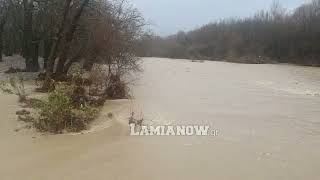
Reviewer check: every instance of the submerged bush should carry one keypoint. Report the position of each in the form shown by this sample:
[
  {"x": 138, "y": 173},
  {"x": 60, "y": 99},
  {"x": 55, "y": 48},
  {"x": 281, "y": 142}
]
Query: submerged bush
[
  {"x": 58, "y": 113},
  {"x": 70, "y": 107},
  {"x": 116, "y": 88}
]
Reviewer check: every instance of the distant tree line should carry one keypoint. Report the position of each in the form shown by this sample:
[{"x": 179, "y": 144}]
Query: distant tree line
[
  {"x": 68, "y": 31},
  {"x": 272, "y": 35}
]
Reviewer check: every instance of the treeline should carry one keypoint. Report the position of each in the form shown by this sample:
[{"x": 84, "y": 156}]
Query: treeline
[
  {"x": 272, "y": 35},
  {"x": 68, "y": 31}
]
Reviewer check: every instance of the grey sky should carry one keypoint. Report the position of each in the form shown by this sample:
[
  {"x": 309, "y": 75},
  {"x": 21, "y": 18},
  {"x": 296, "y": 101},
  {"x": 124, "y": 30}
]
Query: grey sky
[{"x": 169, "y": 16}]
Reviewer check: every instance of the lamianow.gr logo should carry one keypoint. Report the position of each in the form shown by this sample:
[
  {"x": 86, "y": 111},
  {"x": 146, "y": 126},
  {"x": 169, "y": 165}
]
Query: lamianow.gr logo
[{"x": 172, "y": 130}]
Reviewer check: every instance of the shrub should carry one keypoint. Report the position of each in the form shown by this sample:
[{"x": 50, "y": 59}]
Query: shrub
[
  {"x": 82, "y": 117},
  {"x": 55, "y": 115},
  {"x": 116, "y": 88},
  {"x": 58, "y": 114}
]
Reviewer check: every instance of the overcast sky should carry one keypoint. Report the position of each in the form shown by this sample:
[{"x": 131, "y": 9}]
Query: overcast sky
[{"x": 169, "y": 16}]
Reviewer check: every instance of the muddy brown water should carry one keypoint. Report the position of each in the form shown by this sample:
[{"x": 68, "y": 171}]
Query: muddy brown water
[{"x": 268, "y": 119}]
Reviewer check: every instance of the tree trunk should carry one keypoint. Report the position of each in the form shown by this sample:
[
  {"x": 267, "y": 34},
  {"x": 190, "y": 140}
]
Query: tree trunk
[
  {"x": 2, "y": 23},
  {"x": 88, "y": 65},
  {"x": 67, "y": 67},
  {"x": 35, "y": 57},
  {"x": 60, "y": 65},
  {"x": 46, "y": 54},
  {"x": 56, "y": 42},
  {"x": 54, "y": 47},
  {"x": 69, "y": 37},
  {"x": 69, "y": 63},
  {"x": 28, "y": 7},
  {"x": 1, "y": 45}
]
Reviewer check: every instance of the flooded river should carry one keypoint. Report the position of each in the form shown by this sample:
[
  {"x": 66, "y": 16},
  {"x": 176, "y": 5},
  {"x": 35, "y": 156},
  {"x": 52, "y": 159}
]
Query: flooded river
[{"x": 267, "y": 117}]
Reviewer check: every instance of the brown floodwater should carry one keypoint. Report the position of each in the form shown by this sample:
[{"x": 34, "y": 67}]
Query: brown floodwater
[{"x": 267, "y": 117}]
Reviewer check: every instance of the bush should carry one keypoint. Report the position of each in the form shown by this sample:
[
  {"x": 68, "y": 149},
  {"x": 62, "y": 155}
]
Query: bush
[
  {"x": 82, "y": 117},
  {"x": 58, "y": 114},
  {"x": 116, "y": 88}
]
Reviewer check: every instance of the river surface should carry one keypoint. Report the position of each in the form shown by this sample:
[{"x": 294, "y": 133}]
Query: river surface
[{"x": 267, "y": 117}]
